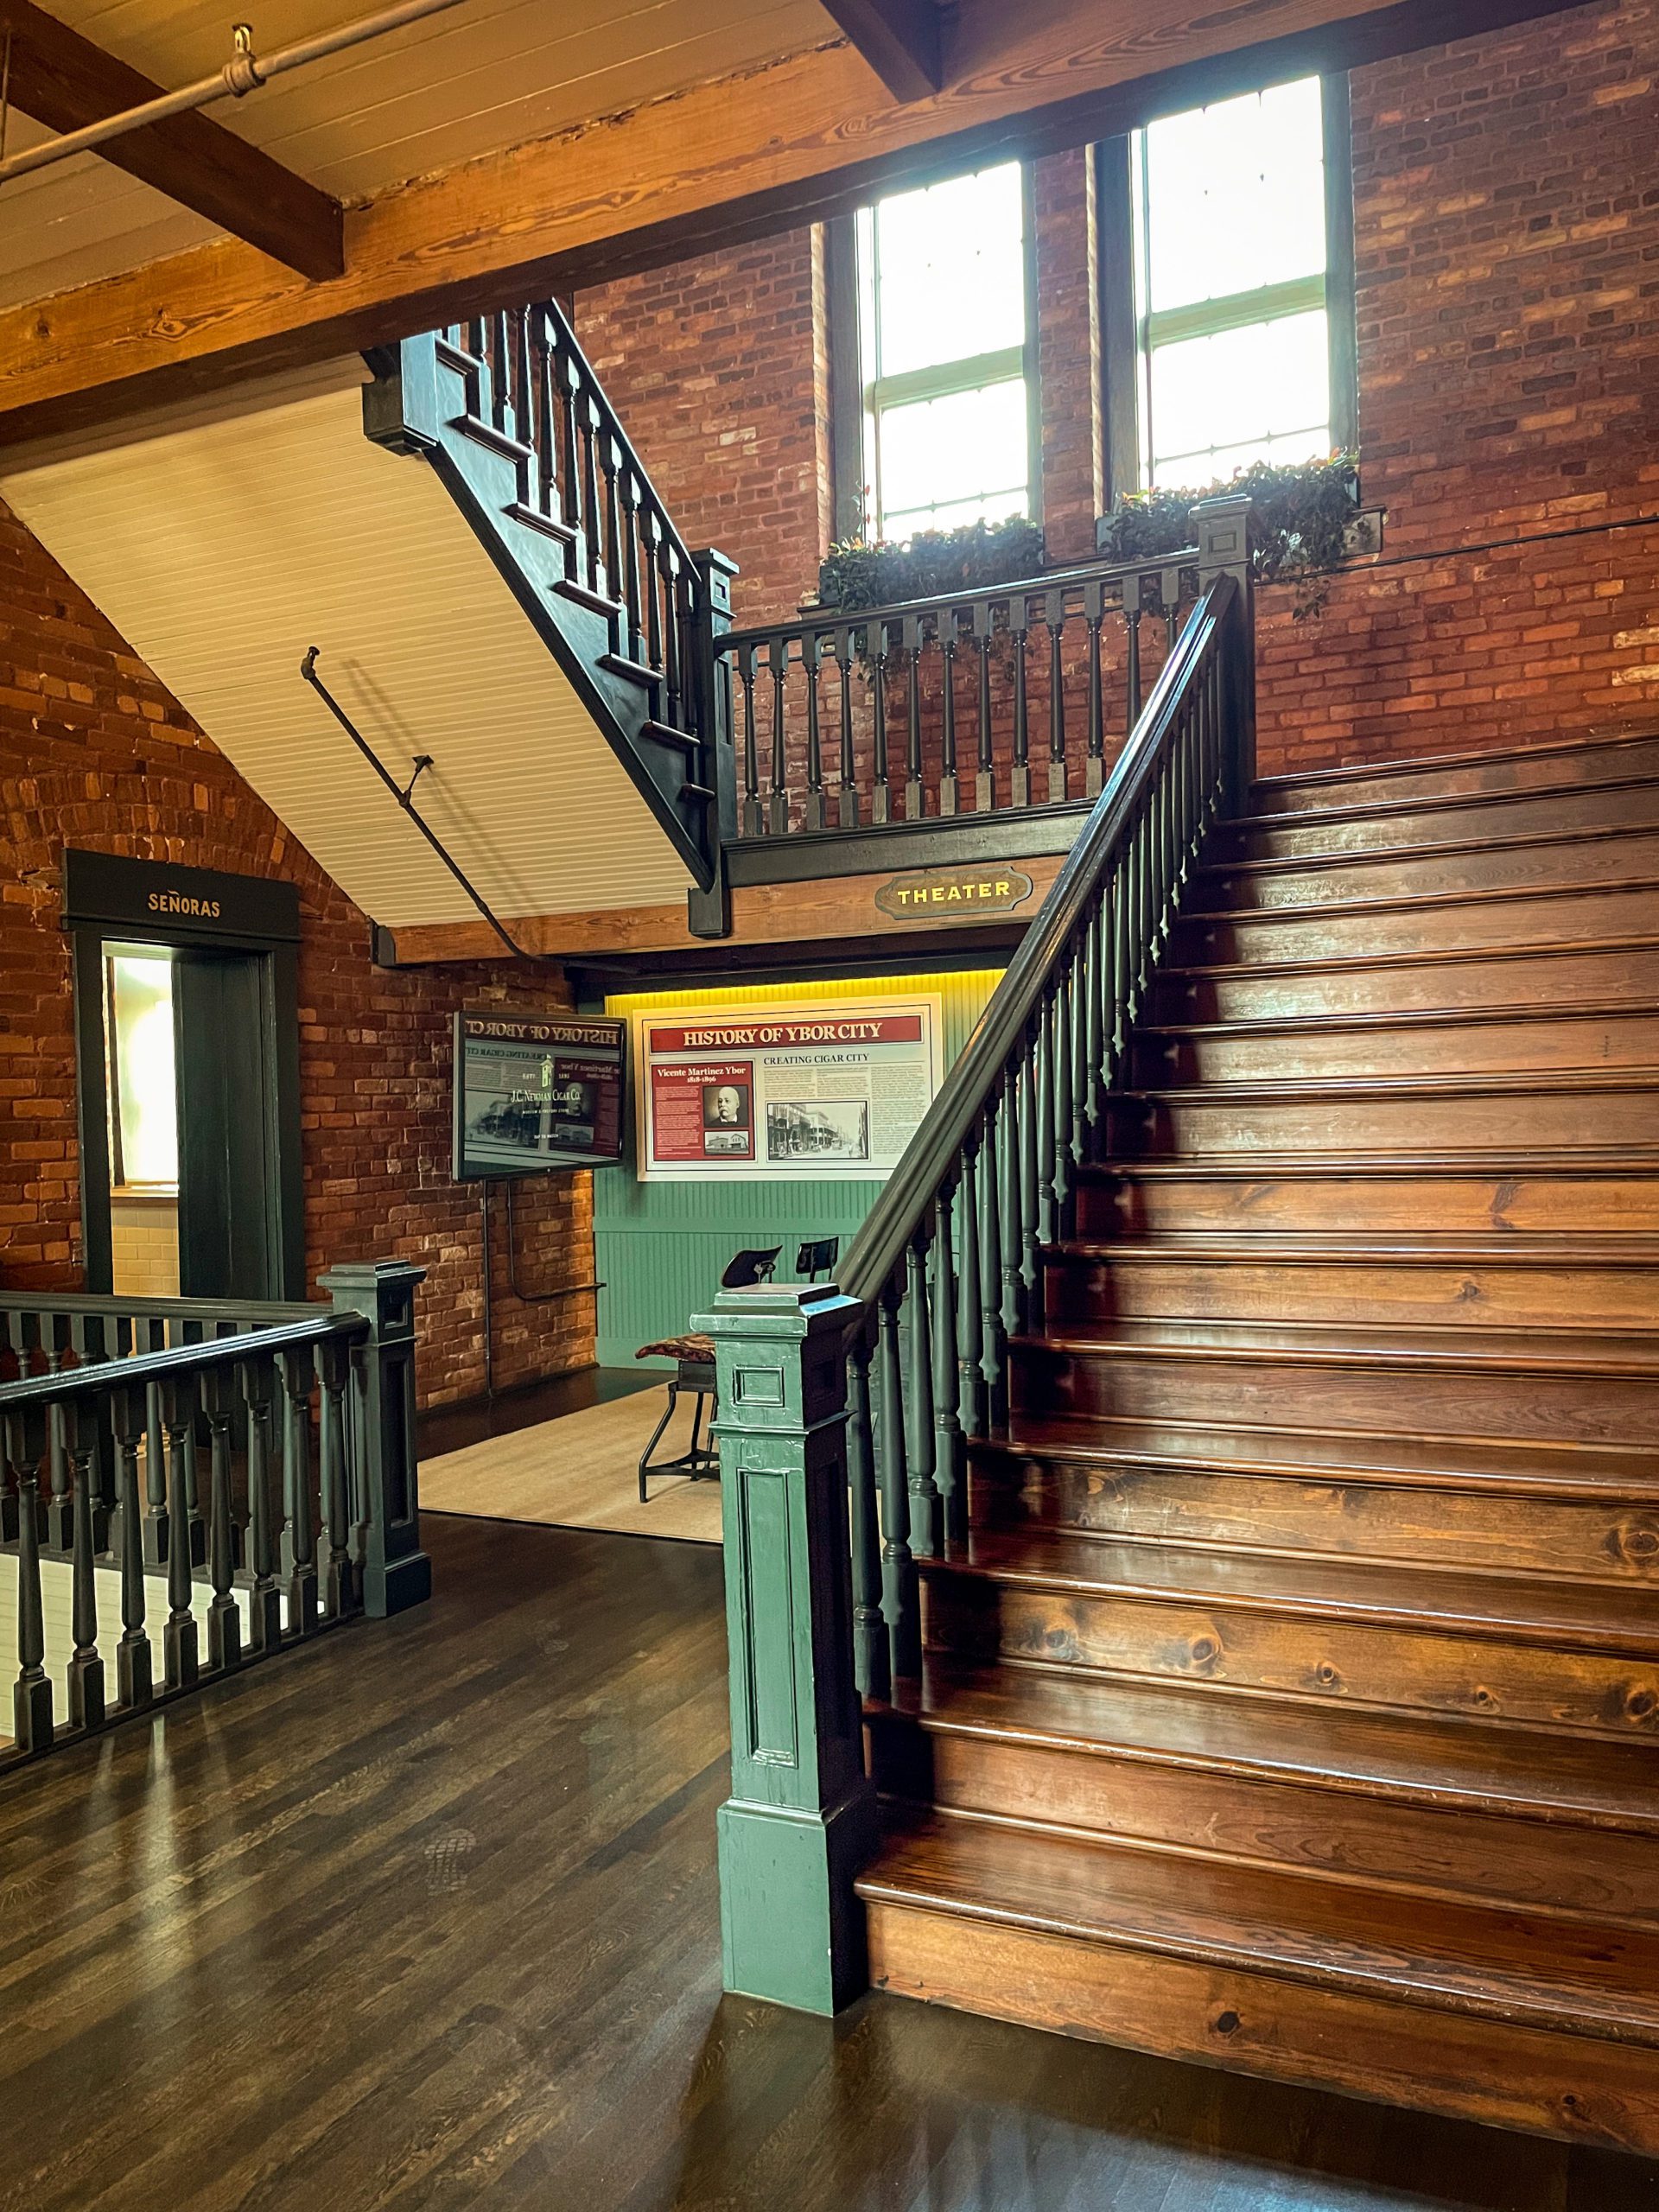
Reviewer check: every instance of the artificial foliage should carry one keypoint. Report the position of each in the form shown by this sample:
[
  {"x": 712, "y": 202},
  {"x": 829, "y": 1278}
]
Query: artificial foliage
[
  {"x": 859, "y": 573},
  {"x": 1299, "y": 515}
]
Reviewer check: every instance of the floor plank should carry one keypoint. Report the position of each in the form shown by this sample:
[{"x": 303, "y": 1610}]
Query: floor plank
[{"x": 425, "y": 1918}]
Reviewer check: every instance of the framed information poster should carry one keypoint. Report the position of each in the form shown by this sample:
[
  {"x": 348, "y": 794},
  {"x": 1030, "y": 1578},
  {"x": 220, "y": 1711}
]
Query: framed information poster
[
  {"x": 536, "y": 1091},
  {"x": 791, "y": 1092}
]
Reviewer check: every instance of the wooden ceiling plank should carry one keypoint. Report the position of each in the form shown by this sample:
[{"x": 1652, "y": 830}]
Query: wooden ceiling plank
[
  {"x": 742, "y": 158},
  {"x": 65, "y": 81},
  {"x": 900, "y": 38}
]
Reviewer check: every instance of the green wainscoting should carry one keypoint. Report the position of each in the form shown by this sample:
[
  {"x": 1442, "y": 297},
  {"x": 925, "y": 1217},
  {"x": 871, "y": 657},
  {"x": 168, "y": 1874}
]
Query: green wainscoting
[{"x": 659, "y": 1246}]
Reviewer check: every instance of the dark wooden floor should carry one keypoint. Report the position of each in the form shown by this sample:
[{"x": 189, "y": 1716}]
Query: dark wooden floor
[{"x": 426, "y": 1916}]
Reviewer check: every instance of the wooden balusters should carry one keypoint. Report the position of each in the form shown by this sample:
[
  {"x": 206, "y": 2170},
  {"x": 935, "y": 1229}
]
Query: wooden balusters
[
  {"x": 652, "y": 537},
  {"x": 949, "y": 1460},
  {"x": 24, "y": 1437},
  {"x": 911, "y": 635},
  {"x": 899, "y": 1606},
  {"x": 973, "y": 1387},
  {"x": 587, "y": 424},
  {"x": 675, "y": 583},
  {"x": 752, "y": 825},
  {"x": 300, "y": 1540},
  {"x": 872, "y": 1665},
  {"x": 1133, "y": 593},
  {"x": 847, "y": 790},
  {"x": 129, "y": 1414},
  {"x": 1010, "y": 1208},
  {"x": 628, "y": 501},
  {"x": 78, "y": 1429},
  {"x": 1094, "y": 607},
  {"x": 777, "y": 805},
  {"x": 1037, "y": 1226},
  {"x": 567, "y": 380},
  {"x": 333, "y": 1370},
  {"x": 1054, "y": 620},
  {"x": 1020, "y": 635},
  {"x": 993, "y": 1343},
  {"x": 918, "y": 1432},
  {"x": 881, "y": 800},
  {"x": 1064, "y": 1007},
  {"x": 178, "y": 1644},
  {"x": 258, "y": 1380},
  {"x": 59, "y": 1519},
  {"x": 983, "y": 627},
  {"x": 810, "y": 661},
  {"x": 218, "y": 1402},
  {"x": 948, "y": 711}
]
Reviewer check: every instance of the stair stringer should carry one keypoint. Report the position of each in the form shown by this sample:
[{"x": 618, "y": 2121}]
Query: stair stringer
[{"x": 417, "y": 406}]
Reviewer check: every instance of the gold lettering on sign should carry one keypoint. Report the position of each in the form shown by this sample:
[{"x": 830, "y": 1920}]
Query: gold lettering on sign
[
  {"x": 180, "y": 902},
  {"x": 995, "y": 891}
]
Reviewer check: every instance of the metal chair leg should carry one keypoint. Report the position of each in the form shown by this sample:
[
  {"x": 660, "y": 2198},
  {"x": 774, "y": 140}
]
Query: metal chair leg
[{"x": 656, "y": 1435}]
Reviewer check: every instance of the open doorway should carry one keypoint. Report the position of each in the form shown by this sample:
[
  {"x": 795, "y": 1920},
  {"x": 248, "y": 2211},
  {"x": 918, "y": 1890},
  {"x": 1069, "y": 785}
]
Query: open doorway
[{"x": 188, "y": 1056}]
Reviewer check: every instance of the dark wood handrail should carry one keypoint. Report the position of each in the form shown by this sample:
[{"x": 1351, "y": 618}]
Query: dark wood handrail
[
  {"x": 854, "y": 618},
  {"x": 568, "y": 343},
  {"x": 139, "y": 1368},
  {"x": 104, "y": 1307},
  {"x": 902, "y": 1206}
]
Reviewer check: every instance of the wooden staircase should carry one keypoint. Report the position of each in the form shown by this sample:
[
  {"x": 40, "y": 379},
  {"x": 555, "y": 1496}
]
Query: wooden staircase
[{"x": 1293, "y": 1701}]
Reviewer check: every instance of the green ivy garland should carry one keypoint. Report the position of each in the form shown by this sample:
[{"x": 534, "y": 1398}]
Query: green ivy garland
[
  {"x": 858, "y": 573},
  {"x": 1299, "y": 515}
]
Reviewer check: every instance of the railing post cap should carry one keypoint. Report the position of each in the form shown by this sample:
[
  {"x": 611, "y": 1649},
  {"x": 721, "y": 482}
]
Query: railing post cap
[
  {"x": 711, "y": 557},
  {"x": 1223, "y": 528},
  {"x": 384, "y": 1289},
  {"x": 778, "y": 1309}
]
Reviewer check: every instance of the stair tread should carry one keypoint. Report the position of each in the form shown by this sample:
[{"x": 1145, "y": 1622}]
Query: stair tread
[
  {"x": 1457, "y": 1957},
  {"x": 1502, "y": 1247},
  {"x": 1377, "y": 810},
  {"x": 1518, "y": 1347},
  {"x": 1409, "y": 1595},
  {"x": 1497, "y": 1012},
  {"x": 1410, "y": 1460},
  {"x": 1538, "y": 1165},
  {"x": 1639, "y": 1075},
  {"x": 1614, "y": 750},
  {"x": 1350, "y": 963},
  {"x": 1453, "y": 1764},
  {"x": 1373, "y": 856},
  {"x": 1325, "y": 910}
]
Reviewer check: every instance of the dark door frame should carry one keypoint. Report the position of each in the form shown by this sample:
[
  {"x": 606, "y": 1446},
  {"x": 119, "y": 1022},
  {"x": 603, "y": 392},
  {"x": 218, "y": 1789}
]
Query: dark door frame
[{"x": 110, "y": 903}]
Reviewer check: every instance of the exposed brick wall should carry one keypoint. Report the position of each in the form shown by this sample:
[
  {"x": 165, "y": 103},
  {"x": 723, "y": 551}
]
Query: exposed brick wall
[
  {"x": 1506, "y": 209},
  {"x": 718, "y": 367},
  {"x": 95, "y": 754},
  {"x": 1507, "y": 248}
]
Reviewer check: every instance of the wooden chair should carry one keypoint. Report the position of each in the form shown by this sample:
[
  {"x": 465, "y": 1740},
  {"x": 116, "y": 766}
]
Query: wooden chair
[{"x": 693, "y": 1370}]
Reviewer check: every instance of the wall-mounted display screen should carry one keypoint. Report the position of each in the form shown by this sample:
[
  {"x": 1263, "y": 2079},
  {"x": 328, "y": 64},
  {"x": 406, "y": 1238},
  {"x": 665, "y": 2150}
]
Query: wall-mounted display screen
[
  {"x": 536, "y": 1091},
  {"x": 786, "y": 1092}
]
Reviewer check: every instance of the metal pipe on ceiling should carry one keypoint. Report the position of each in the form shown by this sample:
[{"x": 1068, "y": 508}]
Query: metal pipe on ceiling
[{"x": 243, "y": 72}]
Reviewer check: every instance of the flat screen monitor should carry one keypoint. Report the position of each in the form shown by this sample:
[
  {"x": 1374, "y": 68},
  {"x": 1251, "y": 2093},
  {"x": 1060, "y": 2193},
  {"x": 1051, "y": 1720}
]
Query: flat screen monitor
[{"x": 536, "y": 1091}]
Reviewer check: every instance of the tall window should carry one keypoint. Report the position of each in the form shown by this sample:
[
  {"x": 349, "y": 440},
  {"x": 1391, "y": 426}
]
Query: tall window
[
  {"x": 1232, "y": 257},
  {"x": 943, "y": 291}
]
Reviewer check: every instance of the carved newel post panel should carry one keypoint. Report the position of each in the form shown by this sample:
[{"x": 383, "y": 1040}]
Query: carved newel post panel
[
  {"x": 395, "y": 1572},
  {"x": 800, "y": 1821}
]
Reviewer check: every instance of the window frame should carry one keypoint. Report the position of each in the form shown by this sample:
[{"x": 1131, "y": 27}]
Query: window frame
[
  {"x": 857, "y": 401},
  {"x": 1123, "y": 350}
]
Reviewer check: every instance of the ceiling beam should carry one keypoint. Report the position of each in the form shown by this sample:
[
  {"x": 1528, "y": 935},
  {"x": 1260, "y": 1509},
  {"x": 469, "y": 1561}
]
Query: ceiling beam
[
  {"x": 900, "y": 38},
  {"x": 778, "y": 146},
  {"x": 63, "y": 80}
]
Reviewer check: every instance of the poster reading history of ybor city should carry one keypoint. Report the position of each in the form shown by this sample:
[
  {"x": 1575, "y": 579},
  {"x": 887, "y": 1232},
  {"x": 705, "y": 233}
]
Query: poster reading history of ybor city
[
  {"x": 536, "y": 1091},
  {"x": 791, "y": 1092}
]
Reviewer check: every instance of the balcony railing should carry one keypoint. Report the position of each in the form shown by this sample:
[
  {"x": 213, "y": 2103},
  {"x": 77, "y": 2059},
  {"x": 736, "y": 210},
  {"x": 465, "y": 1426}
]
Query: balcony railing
[
  {"x": 188, "y": 1486},
  {"x": 973, "y": 702}
]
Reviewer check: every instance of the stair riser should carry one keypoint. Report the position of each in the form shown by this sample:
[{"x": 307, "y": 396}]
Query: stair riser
[
  {"x": 1096, "y": 1293},
  {"x": 1606, "y": 1539},
  {"x": 1571, "y": 2086},
  {"x": 1585, "y": 766},
  {"x": 1565, "y": 979},
  {"x": 1394, "y": 1397},
  {"x": 1398, "y": 1666},
  {"x": 1480, "y": 820},
  {"x": 1316, "y": 1054},
  {"x": 1301, "y": 1828},
  {"x": 1196, "y": 1204},
  {"x": 1631, "y": 858},
  {"x": 1508, "y": 1122},
  {"x": 1569, "y": 918}
]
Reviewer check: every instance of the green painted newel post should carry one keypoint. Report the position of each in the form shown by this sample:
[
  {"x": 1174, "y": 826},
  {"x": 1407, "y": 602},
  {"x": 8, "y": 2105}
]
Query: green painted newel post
[{"x": 800, "y": 1821}]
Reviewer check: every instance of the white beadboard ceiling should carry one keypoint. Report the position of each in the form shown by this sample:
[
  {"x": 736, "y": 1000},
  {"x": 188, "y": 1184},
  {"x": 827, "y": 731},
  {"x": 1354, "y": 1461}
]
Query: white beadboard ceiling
[
  {"x": 484, "y": 75},
  {"x": 221, "y": 549}
]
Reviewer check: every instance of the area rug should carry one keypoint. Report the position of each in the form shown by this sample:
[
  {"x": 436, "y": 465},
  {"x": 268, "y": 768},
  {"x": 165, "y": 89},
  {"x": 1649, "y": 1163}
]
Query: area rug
[{"x": 580, "y": 1472}]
